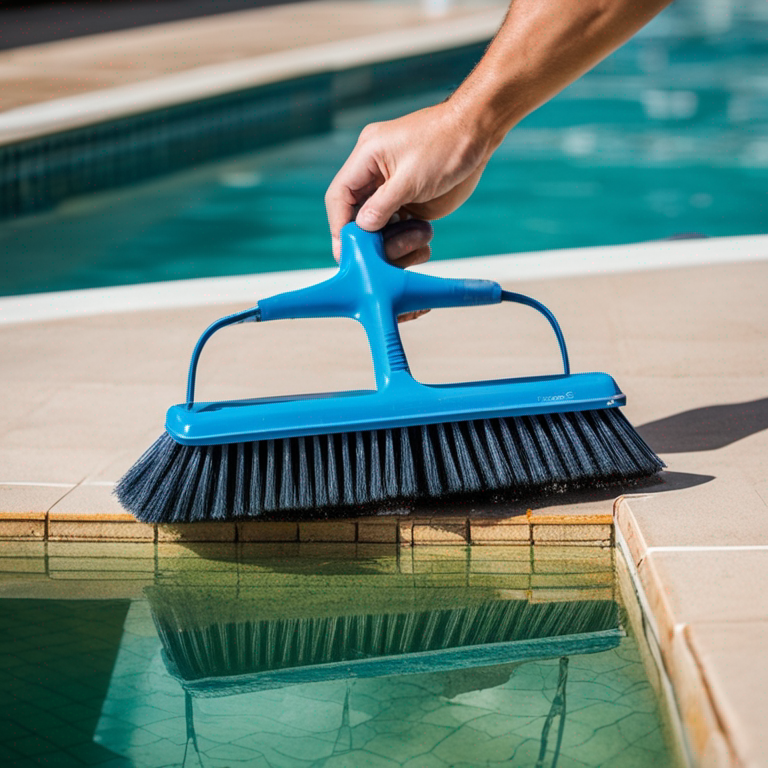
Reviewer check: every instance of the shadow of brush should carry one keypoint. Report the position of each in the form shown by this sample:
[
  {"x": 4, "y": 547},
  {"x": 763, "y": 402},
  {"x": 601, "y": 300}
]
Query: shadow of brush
[{"x": 706, "y": 429}]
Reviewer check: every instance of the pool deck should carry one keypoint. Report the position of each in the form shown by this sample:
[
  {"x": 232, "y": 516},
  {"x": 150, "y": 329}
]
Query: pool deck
[
  {"x": 85, "y": 389},
  {"x": 71, "y": 83}
]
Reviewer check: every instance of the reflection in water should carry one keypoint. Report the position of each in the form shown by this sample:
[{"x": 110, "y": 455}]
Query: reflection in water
[
  {"x": 320, "y": 656},
  {"x": 230, "y": 643},
  {"x": 228, "y": 636}
]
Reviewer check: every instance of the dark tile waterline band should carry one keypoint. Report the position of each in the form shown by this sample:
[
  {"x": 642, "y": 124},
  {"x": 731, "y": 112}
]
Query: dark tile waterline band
[{"x": 38, "y": 174}]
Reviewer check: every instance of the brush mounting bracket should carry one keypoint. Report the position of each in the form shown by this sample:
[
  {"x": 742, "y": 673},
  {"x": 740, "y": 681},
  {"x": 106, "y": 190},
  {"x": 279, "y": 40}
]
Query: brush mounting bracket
[{"x": 369, "y": 289}]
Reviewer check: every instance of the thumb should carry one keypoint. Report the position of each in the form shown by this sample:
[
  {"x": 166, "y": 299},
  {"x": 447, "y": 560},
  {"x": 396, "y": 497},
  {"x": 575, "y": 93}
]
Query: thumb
[{"x": 385, "y": 201}]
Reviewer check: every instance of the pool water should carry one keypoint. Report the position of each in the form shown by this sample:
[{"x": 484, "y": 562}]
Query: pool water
[
  {"x": 324, "y": 655},
  {"x": 668, "y": 136}
]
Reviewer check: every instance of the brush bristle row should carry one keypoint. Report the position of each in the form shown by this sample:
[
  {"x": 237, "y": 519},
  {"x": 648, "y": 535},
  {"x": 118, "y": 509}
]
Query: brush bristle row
[{"x": 174, "y": 483}]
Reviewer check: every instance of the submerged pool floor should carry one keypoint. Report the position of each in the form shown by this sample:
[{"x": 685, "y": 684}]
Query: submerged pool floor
[{"x": 325, "y": 657}]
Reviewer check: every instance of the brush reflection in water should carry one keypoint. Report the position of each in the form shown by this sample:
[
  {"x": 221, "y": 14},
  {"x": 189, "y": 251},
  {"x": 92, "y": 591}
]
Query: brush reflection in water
[
  {"x": 428, "y": 659},
  {"x": 225, "y": 647}
]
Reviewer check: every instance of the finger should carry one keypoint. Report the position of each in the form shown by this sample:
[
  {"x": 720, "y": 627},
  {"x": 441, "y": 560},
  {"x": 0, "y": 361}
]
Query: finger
[
  {"x": 404, "y": 318},
  {"x": 419, "y": 256},
  {"x": 340, "y": 207},
  {"x": 355, "y": 181},
  {"x": 404, "y": 237},
  {"x": 384, "y": 202}
]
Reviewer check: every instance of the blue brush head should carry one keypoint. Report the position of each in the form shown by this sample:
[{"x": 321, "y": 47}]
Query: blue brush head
[{"x": 372, "y": 291}]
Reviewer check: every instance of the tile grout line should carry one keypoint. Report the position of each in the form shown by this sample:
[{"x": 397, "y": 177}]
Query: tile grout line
[
  {"x": 45, "y": 485},
  {"x": 714, "y": 548}
]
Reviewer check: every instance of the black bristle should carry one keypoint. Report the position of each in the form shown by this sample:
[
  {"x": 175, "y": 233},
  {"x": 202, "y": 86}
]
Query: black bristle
[
  {"x": 452, "y": 479},
  {"x": 591, "y": 440},
  {"x": 361, "y": 484},
  {"x": 408, "y": 486},
  {"x": 587, "y": 466},
  {"x": 321, "y": 495},
  {"x": 241, "y": 482},
  {"x": 496, "y": 456},
  {"x": 333, "y": 478},
  {"x": 547, "y": 449},
  {"x": 287, "y": 480},
  {"x": 270, "y": 479},
  {"x": 306, "y": 499},
  {"x": 168, "y": 488},
  {"x": 390, "y": 466},
  {"x": 375, "y": 485},
  {"x": 635, "y": 445},
  {"x": 188, "y": 488},
  {"x": 529, "y": 452},
  {"x": 151, "y": 469},
  {"x": 429, "y": 465},
  {"x": 255, "y": 506},
  {"x": 469, "y": 476},
  {"x": 481, "y": 457},
  {"x": 517, "y": 456},
  {"x": 519, "y": 475},
  {"x": 562, "y": 447},
  {"x": 619, "y": 459},
  {"x": 201, "y": 504},
  {"x": 221, "y": 460},
  {"x": 348, "y": 489}
]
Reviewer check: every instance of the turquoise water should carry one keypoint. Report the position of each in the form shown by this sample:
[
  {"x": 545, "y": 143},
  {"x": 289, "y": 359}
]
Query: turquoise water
[
  {"x": 668, "y": 136},
  {"x": 124, "y": 656}
]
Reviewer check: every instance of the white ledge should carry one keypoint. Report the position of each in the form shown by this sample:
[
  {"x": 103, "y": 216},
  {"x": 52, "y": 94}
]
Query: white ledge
[
  {"x": 248, "y": 289},
  {"x": 217, "y": 79}
]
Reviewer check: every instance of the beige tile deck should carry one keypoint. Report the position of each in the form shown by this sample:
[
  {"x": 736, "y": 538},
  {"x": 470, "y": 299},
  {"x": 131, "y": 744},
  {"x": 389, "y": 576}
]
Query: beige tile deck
[
  {"x": 226, "y": 52},
  {"x": 31, "y": 498},
  {"x": 54, "y": 70},
  {"x": 702, "y": 558},
  {"x": 726, "y": 654}
]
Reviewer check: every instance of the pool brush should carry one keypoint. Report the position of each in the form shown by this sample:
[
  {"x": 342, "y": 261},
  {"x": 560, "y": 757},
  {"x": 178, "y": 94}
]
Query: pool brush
[{"x": 402, "y": 441}]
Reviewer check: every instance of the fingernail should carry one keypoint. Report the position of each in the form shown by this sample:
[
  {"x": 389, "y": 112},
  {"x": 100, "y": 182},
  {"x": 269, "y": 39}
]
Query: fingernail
[{"x": 368, "y": 216}]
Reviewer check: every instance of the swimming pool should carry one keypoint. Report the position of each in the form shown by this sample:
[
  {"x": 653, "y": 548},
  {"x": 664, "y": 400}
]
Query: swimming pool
[
  {"x": 668, "y": 136},
  {"x": 325, "y": 655}
]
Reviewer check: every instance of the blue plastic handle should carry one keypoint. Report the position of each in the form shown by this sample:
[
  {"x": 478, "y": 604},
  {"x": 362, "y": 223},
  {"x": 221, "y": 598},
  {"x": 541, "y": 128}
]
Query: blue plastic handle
[{"x": 369, "y": 289}]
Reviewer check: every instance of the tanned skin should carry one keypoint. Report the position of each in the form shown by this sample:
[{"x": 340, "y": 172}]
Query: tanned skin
[{"x": 424, "y": 165}]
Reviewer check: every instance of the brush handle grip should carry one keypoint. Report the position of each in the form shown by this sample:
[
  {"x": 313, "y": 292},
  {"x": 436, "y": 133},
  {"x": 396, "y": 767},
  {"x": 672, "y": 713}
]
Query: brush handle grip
[{"x": 369, "y": 289}]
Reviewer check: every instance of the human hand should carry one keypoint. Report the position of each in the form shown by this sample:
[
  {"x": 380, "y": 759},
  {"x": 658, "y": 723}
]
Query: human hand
[
  {"x": 402, "y": 173},
  {"x": 421, "y": 166}
]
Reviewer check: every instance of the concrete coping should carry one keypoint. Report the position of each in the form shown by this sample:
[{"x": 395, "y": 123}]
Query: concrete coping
[
  {"x": 203, "y": 82},
  {"x": 540, "y": 265}
]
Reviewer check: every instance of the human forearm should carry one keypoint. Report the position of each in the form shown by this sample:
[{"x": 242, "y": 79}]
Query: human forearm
[
  {"x": 426, "y": 164},
  {"x": 542, "y": 47}
]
